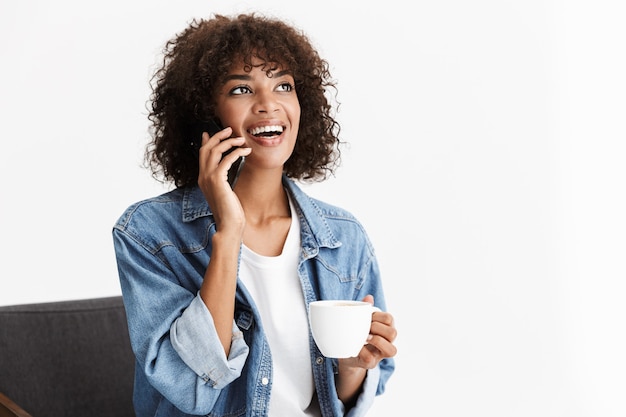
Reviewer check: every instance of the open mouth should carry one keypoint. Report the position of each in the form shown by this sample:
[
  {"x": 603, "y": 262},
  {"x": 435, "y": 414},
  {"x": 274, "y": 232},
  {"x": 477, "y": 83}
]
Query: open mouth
[{"x": 266, "y": 131}]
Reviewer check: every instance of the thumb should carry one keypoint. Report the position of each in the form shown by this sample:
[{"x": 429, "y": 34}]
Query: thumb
[{"x": 369, "y": 299}]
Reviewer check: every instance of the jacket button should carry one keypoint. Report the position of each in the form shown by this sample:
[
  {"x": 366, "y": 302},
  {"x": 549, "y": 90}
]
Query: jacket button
[
  {"x": 319, "y": 360},
  {"x": 265, "y": 381}
]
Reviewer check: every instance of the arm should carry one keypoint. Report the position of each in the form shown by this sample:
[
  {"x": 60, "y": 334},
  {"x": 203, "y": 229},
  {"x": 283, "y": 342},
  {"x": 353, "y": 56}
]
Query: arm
[
  {"x": 172, "y": 332},
  {"x": 220, "y": 279},
  {"x": 219, "y": 287}
]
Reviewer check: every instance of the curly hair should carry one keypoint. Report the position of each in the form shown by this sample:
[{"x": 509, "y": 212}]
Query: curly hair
[{"x": 195, "y": 65}]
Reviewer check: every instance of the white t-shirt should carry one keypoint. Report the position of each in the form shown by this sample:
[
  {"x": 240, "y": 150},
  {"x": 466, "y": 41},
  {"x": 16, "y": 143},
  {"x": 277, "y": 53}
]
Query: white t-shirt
[{"x": 275, "y": 287}]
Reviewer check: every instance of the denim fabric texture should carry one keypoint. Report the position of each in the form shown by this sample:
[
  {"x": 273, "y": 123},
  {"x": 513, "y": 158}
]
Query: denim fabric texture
[{"x": 163, "y": 246}]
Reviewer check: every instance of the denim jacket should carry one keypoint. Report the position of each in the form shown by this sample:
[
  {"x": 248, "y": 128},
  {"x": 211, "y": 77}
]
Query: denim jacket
[{"x": 163, "y": 246}]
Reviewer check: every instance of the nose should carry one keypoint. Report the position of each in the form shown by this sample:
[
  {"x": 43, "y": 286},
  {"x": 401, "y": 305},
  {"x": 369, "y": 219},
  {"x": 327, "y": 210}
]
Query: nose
[{"x": 265, "y": 102}]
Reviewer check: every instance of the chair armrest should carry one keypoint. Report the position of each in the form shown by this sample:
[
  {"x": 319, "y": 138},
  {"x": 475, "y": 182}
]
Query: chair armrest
[{"x": 9, "y": 409}]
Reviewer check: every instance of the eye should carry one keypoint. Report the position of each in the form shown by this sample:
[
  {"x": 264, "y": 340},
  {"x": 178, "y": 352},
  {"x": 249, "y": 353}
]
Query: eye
[
  {"x": 285, "y": 87},
  {"x": 240, "y": 89}
]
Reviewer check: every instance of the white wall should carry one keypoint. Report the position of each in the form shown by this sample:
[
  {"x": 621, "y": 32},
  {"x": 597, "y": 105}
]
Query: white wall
[{"x": 487, "y": 141}]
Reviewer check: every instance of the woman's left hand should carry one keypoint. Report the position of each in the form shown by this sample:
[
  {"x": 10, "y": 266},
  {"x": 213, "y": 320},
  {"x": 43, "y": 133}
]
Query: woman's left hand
[
  {"x": 352, "y": 371},
  {"x": 380, "y": 341}
]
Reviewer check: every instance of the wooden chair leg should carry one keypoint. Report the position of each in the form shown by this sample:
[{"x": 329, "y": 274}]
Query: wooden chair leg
[{"x": 9, "y": 409}]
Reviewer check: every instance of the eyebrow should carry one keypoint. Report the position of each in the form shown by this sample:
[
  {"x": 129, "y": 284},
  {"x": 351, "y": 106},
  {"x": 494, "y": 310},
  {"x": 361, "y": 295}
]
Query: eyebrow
[{"x": 246, "y": 77}]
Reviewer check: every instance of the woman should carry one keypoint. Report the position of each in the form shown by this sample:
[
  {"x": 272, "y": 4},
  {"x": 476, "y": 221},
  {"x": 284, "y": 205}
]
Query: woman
[{"x": 216, "y": 278}]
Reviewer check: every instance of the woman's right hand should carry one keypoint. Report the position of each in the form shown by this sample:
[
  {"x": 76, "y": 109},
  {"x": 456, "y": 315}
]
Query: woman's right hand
[{"x": 213, "y": 179}]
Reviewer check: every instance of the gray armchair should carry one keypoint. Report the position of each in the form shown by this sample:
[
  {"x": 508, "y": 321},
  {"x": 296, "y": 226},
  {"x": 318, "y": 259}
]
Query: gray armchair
[{"x": 66, "y": 359}]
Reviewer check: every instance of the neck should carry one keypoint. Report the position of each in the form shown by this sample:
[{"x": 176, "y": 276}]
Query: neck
[{"x": 263, "y": 199}]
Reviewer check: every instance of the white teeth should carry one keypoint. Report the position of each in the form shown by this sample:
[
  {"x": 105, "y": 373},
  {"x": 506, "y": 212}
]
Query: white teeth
[{"x": 265, "y": 129}]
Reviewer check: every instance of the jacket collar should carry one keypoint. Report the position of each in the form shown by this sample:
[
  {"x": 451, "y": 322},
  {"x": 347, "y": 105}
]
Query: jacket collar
[{"x": 315, "y": 230}]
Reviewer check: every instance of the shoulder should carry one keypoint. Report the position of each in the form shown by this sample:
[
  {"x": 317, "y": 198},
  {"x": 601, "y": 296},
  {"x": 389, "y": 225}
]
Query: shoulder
[
  {"x": 328, "y": 222},
  {"x": 180, "y": 218},
  {"x": 334, "y": 212},
  {"x": 168, "y": 203}
]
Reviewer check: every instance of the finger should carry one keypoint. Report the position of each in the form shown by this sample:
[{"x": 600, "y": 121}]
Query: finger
[
  {"x": 205, "y": 138},
  {"x": 231, "y": 144},
  {"x": 229, "y": 159},
  {"x": 369, "y": 299},
  {"x": 381, "y": 347},
  {"x": 223, "y": 134},
  {"x": 370, "y": 356},
  {"x": 215, "y": 150},
  {"x": 388, "y": 331},
  {"x": 211, "y": 141},
  {"x": 383, "y": 317}
]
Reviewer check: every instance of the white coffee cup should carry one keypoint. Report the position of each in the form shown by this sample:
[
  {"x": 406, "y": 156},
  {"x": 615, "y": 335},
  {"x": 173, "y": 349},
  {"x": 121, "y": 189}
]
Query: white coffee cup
[{"x": 340, "y": 327}]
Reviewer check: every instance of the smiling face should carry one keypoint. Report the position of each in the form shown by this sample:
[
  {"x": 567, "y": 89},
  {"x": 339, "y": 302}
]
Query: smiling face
[{"x": 262, "y": 107}]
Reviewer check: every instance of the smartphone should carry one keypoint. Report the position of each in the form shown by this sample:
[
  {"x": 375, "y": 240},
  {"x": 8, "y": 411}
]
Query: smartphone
[{"x": 212, "y": 127}]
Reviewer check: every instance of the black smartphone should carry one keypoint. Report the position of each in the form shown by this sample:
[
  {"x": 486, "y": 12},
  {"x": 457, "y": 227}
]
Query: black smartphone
[{"x": 212, "y": 127}]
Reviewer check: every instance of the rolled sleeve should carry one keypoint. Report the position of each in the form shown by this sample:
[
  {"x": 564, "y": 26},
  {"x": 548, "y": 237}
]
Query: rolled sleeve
[
  {"x": 194, "y": 337},
  {"x": 366, "y": 399}
]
